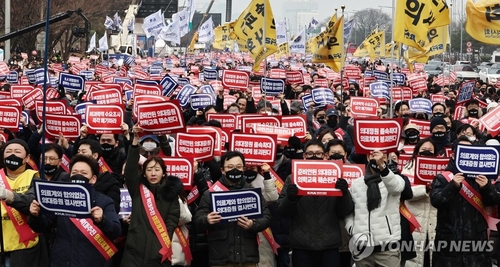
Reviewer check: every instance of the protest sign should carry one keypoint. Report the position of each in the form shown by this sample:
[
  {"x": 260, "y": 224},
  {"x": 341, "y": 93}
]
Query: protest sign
[
  {"x": 227, "y": 121},
  {"x": 426, "y": 168},
  {"x": 181, "y": 168},
  {"x": 477, "y": 160},
  {"x": 110, "y": 96},
  {"x": 350, "y": 172},
  {"x": 10, "y": 102},
  {"x": 297, "y": 123},
  {"x": 196, "y": 146},
  {"x": 380, "y": 75},
  {"x": 207, "y": 89},
  {"x": 67, "y": 125},
  {"x": 235, "y": 79},
  {"x": 147, "y": 89},
  {"x": 210, "y": 74},
  {"x": 277, "y": 74},
  {"x": 125, "y": 203},
  {"x": 399, "y": 78},
  {"x": 307, "y": 101},
  {"x": 321, "y": 83},
  {"x": 438, "y": 98},
  {"x": 424, "y": 127},
  {"x": 160, "y": 117},
  {"x": 248, "y": 120},
  {"x": 12, "y": 77},
  {"x": 30, "y": 98},
  {"x": 322, "y": 96},
  {"x": 403, "y": 159},
  {"x": 379, "y": 90},
  {"x": 220, "y": 138},
  {"x": 200, "y": 101},
  {"x": 231, "y": 205},
  {"x": 272, "y": 87},
  {"x": 294, "y": 77},
  {"x": 363, "y": 107},
  {"x": 352, "y": 72},
  {"x": 316, "y": 177},
  {"x": 41, "y": 76},
  {"x": 64, "y": 199},
  {"x": 9, "y": 117},
  {"x": 168, "y": 85},
  {"x": 123, "y": 81},
  {"x": 52, "y": 107},
  {"x": 185, "y": 93},
  {"x": 81, "y": 108},
  {"x": 19, "y": 90},
  {"x": 465, "y": 92},
  {"x": 72, "y": 82},
  {"x": 383, "y": 135},
  {"x": 420, "y": 105},
  {"x": 104, "y": 119},
  {"x": 256, "y": 148},
  {"x": 282, "y": 133},
  {"x": 491, "y": 121}
]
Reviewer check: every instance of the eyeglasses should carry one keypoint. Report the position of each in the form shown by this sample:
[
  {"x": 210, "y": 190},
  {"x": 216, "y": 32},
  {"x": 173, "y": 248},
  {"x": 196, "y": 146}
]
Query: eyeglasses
[
  {"x": 230, "y": 167},
  {"x": 310, "y": 154},
  {"x": 51, "y": 159}
]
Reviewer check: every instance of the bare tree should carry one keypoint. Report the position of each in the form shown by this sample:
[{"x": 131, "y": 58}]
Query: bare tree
[{"x": 367, "y": 20}]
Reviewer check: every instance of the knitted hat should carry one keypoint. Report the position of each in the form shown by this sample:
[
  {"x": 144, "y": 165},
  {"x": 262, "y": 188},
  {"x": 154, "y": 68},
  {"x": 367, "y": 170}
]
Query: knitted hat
[
  {"x": 437, "y": 121},
  {"x": 20, "y": 142}
]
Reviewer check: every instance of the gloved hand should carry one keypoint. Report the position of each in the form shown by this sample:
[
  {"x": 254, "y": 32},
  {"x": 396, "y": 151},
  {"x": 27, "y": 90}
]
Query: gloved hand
[
  {"x": 341, "y": 184},
  {"x": 292, "y": 192},
  {"x": 3, "y": 193}
]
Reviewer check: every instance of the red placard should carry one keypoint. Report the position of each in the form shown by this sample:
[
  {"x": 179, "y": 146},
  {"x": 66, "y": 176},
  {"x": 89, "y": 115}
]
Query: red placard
[
  {"x": 383, "y": 135},
  {"x": 403, "y": 159},
  {"x": 350, "y": 172},
  {"x": 10, "y": 102},
  {"x": 143, "y": 99},
  {"x": 408, "y": 149},
  {"x": 352, "y": 72},
  {"x": 227, "y": 121},
  {"x": 426, "y": 168},
  {"x": 18, "y": 91},
  {"x": 117, "y": 86},
  {"x": 111, "y": 96},
  {"x": 424, "y": 127},
  {"x": 235, "y": 79},
  {"x": 491, "y": 121},
  {"x": 459, "y": 113},
  {"x": 146, "y": 89},
  {"x": 277, "y": 74},
  {"x": 323, "y": 83},
  {"x": 316, "y": 177},
  {"x": 195, "y": 146},
  {"x": 294, "y": 77},
  {"x": 220, "y": 138},
  {"x": 228, "y": 100},
  {"x": 163, "y": 117},
  {"x": 247, "y": 123},
  {"x": 181, "y": 168},
  {"x": 104, "y": 119},
  {"x": 418, "y": 84},
  {"x": 363, "y": 107},
  {"x": 68, "y": 125},
  {"x": 30, "y": 98},
  {"x": 9, "y": 117},
  {"x": 438, "y": 98},
  {"x": 256, "y": 148},
  {"x": 52, "y": 107},
  {"x": 282, "y": 133},
  {"x": 298, "y": 123}
]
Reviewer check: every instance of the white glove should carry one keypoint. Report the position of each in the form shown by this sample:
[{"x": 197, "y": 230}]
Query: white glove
[{"x": 3, "y": 193}]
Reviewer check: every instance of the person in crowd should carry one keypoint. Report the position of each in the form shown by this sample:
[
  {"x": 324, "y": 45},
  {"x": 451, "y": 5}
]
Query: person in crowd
[
  {"x": 336, "y": 150},
  {"x": 472, "y": 110},
  {"x": 332, "y": 124},
  {"x": 232, "y": 243},
  {"x": 439, "y": 137},
  {"x": 71, "y": 246},
  {"x": 112, "y": 151},
  {"x": 376, "y": 218},
  {"x": 326, "y": 136},
  {"x": 179, "y": 256},
  {"x": 438, "y": 110},
  {"x": 401, "y": 110},
  {"x": 412, "y": 134},
  {"x": 473, "y": 134},
  {"x": 155, "y": 209},
  {"x": 150, "y": 145},
  {"x": 315, "y": 236},
  {"x": 457, "y": 219}
]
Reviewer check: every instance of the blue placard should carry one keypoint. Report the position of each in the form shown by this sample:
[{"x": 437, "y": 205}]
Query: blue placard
[
  {"x": 122, "y": 80},
  {"x": 147, "y": 82},
  {"x": 466, "y": 91},
  {"x": 201, "y": 101},
  {"x": 306, "y": 101},
  {"x": 185, "y": 94},
  {"x": 399, "y": 78},
  {"x": 379, "y": 89},
  {"x": 26, "y": 116},
  {"x": 210, "y": 74},
  {"x": 322, "y": 96},
  {"x": 380, "y": 75},
  {"x": 64, "y": 199},
  {"x": 40, "y": 76},
  {"x": 420, "y": 105},
  {"x": 87, "y": 74},
  {"x": 31, "y": 76},
  {"x": 168, "y": 85},
  {"x": 80, "y": 110},
  {"x": 125, "y": 203},
  {"x": 128, "y": 94},
  {"x": 72, "y": 82},
  {"x": 237, "y": 203},
  {"x": 207, "y": 89},
  {"x": 155, "y": 70},
  {"x": 475, "y": 160},
  {"x": 272, "y": 87},
  {"x": 13, "y": 77},
  {"x": 183, "y": 81},
  {"x": 54, "y": 82},
  {"x": 368, "y": 73}
]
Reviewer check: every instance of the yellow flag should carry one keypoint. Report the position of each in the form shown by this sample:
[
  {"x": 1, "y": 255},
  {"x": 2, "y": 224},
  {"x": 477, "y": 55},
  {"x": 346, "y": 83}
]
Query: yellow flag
[
  {"x": 283, "y": 50},
  {"x": 375, "y": 45},
  {"x": 222, "y": 40},
  {"x": 408, "y": 62},
  {"x": 414, "y": 18},
  {"x": 438, "y": 39},
  {"x": 311, "y": 44},
  {"x": 329, "y": 46},
  {"x": 249, "y": 27},
  {"x": 397, "y": 50},
  {"x": 483, "y": 21},
  {"x": 362, "y": 50}
]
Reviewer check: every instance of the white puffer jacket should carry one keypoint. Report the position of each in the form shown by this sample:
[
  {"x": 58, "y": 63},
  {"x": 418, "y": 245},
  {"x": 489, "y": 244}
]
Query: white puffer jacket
[
  {"x": 178, "y": 256},
  {"x": 383, "y": 222}
]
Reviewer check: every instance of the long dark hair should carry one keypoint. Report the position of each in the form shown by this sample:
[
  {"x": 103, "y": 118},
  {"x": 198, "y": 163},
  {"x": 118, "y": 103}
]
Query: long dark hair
[
  {"x": 417, "y": 148},
  {"x": 158, "y": 161}
]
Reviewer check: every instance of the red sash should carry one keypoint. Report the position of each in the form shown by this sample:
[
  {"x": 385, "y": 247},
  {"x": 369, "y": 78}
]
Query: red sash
[
  {"x": 474, "y": 198},
  {"x": 65, "y": 163},
  {"x": 32, "y": 164},
  {"x": 339, "y": 133},
  {"x": 270, "y": 238},
  {"x": 157, "y": 223},
  {"x": 277, "y": 180},
  {"x": 100, "y": 241},
  {"x": 409, "y": 216},
  {"x": 19, "y": 220},
  {"x": 103, "y": 166},
  {"x": 184, "y": 244}
]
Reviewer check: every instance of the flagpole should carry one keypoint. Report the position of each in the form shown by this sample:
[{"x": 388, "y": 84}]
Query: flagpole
[
  {"x": 264, "y": 33},
  {"x": 342, "y": 59},
  {"x": 391, "y": 73}
]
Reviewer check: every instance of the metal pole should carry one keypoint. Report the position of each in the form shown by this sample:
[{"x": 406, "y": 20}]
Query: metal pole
[
  {"x": 264, "y": 34},
  {"x": 450, "y": 32},
  {"x": 391, "y": 61},
  {"x": 461, "y": 30},
  {"x": 7, "y": 29},
  {"x": 342, "y": 59}
]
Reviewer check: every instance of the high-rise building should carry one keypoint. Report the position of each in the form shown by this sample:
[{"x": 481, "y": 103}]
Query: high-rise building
[{"x": 299, "y": 13}]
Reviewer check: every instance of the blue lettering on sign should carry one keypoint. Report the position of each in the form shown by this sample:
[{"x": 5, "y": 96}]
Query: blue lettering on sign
[
  {"x": 272, "y": 87},
  {"x": 399, "y": 78},
  {"x": 125, "y": 203},
  {"x": 466, "y": 91},
  {"x": 87, "y": 74},
  {"x": 236, "y": 203},
  {"x": 201, "y": 101},
  {"x": 379, "y": 89},
  {"x": 72, "y": 82},
  {"x": 210, "y": 75},
  {"x": 380, "y": 75},
  {"x": 31, "y": 76},
  {"x": 307, "y": 100},
  {"x": 475, "y": 160},
  {"x": 168, "y": 85},
  {"x": 40, "y": 76},
  {"x": 13, "y": 77},
  {"x": 185, "y": 94},
  {"x": 368, "y": 73},
  {"x": 420, "y": 105},
  {"x": 64, "y": 199},
  {"x": 322, "y": 96}
]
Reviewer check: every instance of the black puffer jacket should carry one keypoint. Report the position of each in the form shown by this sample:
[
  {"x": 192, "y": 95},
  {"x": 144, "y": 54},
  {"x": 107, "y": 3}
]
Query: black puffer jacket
[
  {"x": 458, "y": 220},
  {"x": 315, "y": 221},
  {"x": 227, "y": 242}
]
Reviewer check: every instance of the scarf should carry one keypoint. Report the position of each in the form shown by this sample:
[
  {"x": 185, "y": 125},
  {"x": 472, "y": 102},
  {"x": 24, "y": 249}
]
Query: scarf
[{"x": 373, "y": 192}]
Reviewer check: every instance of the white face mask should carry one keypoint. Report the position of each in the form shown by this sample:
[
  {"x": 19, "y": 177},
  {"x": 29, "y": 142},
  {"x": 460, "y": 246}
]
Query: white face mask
[
  {"x": 471, "y": 138},
  {"x": 149, "y": 146}
]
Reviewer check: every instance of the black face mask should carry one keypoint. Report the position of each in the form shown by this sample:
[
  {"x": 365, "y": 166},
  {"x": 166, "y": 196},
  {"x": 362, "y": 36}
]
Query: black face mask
[
  {"x": 420, "y": 116},
  {"x": 234, "y": 175},
  {"x": 107, "y": 149},
  {"x": 314, "y": 157},
  {"x": 332, "y": 122},
  {"x": 412, "y": 136},
  {"x": 49, "y": 169},
  {"x": 279, "y": 153},
  {"x": 439, "y": 135},
  {"x": 337, "y": 156},
  {"x": 473, "y": 112},
  {"x": 374, "y": 165},
  {"x": 438, "y": 114},
  {"x": 321, "y": 120},
  {"x": 13, "y": 162},
  {"x": 78, "y": 179},
  {"x": 406, "y": 115},
  {"x": 426, "y": 153},
  {"x": 250, "y": 175}
]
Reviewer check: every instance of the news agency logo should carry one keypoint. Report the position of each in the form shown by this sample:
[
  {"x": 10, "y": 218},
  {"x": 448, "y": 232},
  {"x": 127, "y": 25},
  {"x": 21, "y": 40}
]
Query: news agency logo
[{"x": 361, "y": 246}]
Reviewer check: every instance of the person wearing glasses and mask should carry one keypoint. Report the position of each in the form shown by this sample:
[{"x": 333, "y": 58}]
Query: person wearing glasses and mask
[
  {"x": 233, "y": 243},
  {"x": 315, "y": 235}
]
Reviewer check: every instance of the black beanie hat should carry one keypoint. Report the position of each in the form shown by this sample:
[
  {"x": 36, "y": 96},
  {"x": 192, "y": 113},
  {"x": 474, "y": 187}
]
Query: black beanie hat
[
  {"x": 437, "y": 121},
  {"x": 20, "y": 142}
]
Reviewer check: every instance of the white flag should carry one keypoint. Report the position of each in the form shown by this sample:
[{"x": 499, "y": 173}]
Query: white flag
[
  {"x": 190, "y": 9},
  {"x": 281, "y": 32},
  {"x": 109, "y": 24},
  {"x": 103, "y": 43},
  {"x": 182, "y": 17},
  {"x": 206, "y": 32},
  {"x": 171, "y": 33},
  {"x": 298, "y": 44},
  {"x": 153, "y": 24},
  {"x": 117, "y": 21},
  {"x": 92, "y": 43}
]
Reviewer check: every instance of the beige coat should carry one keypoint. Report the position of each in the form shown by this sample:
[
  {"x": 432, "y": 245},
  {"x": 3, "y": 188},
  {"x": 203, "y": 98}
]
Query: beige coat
[{"x": 178, "y": 257}]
